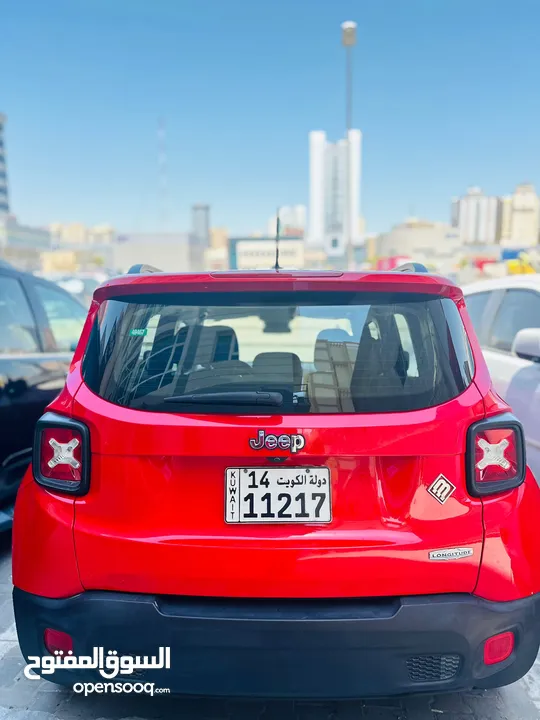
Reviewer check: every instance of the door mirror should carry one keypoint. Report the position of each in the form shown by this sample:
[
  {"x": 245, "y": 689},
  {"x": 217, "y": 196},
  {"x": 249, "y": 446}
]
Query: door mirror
[{"x": 526, "y": 344}]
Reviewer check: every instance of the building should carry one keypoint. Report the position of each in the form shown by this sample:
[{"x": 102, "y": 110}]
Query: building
[
  {"x": 525, "y": 217},
  {"x": 77, "y": 234},
  {"x": 68, "y": 233},
  {"x": 259, "y": 253},
  {"x": 219, "y": 238},
  {"x": 292, "y": 221},
  {"x": 101, "y": 234},
  {"x": 330, "y": 167},
  {"x": 200, "y": 224},
  {"x": 506, "y": 220},
  {"x": 22, "y": 245},
  {"x": 216, "y": 258},
  {"x": 370, "y": 248},
  {"x": 4, "y": 196},
  {"x": 175, "y": 252},
  {"x": 478, "y": 217},
  {"x": 419, "y": 240}
]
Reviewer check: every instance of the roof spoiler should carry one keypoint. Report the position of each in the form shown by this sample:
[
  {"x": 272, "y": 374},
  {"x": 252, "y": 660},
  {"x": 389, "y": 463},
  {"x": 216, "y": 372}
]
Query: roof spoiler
[
  {"x": 412, "y": 267},
  {"x": 142, "y": 269}
]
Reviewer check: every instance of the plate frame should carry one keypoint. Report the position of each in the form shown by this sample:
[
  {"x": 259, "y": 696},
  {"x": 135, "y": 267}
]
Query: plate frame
[{"x": 280, "y": 522}]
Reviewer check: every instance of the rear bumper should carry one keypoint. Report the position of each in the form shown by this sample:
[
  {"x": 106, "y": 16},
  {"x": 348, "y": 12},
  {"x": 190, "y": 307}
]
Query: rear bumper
[{"x": 291, "y": 648}]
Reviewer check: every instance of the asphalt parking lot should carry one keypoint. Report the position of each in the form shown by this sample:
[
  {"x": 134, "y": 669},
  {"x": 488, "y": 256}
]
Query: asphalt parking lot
[{"x": 23, "y": 699}]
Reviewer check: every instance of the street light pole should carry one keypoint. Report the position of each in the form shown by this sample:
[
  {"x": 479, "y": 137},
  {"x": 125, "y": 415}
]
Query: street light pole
[{"x": 348, "y": 38}]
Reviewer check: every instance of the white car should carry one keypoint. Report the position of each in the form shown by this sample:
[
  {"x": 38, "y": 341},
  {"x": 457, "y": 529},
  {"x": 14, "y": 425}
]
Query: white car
[{"x": 506, "y": 315}]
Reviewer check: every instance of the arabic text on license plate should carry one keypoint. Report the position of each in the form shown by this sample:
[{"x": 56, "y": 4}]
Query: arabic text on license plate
[{"x": 278, "y": 495}]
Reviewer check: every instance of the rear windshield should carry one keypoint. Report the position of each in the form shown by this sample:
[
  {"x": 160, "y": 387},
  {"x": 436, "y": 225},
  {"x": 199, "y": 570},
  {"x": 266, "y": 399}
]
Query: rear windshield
[{"x": 285, "y": 353}]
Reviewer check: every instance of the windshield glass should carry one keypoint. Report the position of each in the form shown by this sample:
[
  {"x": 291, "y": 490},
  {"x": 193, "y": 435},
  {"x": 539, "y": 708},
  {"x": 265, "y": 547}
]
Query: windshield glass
[{"x": 323, "y": 353}]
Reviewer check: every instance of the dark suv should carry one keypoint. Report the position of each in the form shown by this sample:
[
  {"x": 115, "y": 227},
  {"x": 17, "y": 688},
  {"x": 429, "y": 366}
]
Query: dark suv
[{"x": 39, "y": 327}]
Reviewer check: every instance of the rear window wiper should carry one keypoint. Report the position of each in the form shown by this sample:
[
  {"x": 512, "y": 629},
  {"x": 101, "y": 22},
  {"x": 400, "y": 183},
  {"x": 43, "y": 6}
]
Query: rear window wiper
[{"x": 228, "y": 397}]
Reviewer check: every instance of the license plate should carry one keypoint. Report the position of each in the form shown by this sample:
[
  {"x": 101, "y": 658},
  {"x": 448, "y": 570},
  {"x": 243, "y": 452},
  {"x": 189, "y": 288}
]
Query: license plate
[{"x": 278, "y": 495}]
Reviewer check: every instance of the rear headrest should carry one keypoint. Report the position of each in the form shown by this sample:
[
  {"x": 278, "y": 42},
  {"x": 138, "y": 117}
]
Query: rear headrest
[
  {"x": 281, "y": 368},
  {"x": 335, "y": 335},
  {"x": 381, "y": 363},
  {"x": 334, "y": 345},
  {"x": 205, "y": 345},
  {"x": 166, "y": 343},
  {"x": 215, "y": 344}
]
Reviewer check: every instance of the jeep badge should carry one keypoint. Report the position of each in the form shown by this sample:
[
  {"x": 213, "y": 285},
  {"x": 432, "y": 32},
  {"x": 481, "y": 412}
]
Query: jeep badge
[{"x": 294, "y": 443}]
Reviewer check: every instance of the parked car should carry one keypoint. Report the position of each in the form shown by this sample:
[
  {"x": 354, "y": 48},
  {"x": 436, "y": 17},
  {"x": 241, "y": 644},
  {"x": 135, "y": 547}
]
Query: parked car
[
  {"x": 39, "y": 327},
  {"x": 80, "y": 284},
  {"x": 291, "y": 484},
  {"x": 506, "y": 315}
]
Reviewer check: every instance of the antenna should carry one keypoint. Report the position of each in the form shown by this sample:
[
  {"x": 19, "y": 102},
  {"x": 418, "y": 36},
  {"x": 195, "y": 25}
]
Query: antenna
[{"x": 276, "y": 266}]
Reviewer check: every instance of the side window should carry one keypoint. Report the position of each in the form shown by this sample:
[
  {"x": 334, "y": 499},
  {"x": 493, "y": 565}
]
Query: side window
[
  {"x": 17, "y": 326},
  {"x": 65, "y": 316},
  {"x": 476, "y": 306},
  {"x": 519, "y": 309}
]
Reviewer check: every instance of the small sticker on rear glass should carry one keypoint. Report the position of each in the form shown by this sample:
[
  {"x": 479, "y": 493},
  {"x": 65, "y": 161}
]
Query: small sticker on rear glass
[{"x": 138, "y": 332}]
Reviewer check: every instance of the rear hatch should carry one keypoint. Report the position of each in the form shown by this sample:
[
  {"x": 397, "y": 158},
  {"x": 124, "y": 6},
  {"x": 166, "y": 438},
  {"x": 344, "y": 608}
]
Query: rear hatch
[{"x": 300, "y": 438}]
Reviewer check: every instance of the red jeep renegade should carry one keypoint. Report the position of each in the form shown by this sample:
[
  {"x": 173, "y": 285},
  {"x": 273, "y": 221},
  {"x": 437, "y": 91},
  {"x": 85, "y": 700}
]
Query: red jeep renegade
[{"x": 302, "y": 483}]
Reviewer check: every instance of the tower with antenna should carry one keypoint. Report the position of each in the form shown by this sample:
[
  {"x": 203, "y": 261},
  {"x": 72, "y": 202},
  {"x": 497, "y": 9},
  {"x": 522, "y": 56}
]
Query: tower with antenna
[{"x": 4, "y": 196}]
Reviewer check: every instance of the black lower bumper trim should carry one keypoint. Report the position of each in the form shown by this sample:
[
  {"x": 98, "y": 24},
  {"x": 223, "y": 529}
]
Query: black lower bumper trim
[{"x": 291, "y": 648}]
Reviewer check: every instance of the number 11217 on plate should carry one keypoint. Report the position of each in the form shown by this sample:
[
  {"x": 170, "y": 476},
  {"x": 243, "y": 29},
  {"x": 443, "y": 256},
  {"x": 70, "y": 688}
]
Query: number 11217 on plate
[{"x": 278, "y": 495}]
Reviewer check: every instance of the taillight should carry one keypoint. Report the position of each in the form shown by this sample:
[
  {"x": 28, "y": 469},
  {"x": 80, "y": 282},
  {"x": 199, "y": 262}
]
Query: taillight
[
  {"x": 61, "y": 454},
  {"x": 495, "y": 455},
  {"x": 61, "y": 457}
]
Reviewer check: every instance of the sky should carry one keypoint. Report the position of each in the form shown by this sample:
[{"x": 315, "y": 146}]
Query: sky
[{"x": 446, "y": 93}]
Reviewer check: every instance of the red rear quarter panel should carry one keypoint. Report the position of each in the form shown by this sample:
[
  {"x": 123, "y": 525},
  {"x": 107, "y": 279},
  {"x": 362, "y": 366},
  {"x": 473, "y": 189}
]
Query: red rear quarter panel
[
  {"x": 44, "y": 561},
  {"x": 510, "y": 562}
]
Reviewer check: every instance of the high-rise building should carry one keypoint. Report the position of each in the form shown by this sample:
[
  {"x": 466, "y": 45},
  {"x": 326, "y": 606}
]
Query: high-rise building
[
  {"x": 200, "y": 224},
  {"x": 334, "y": 167},
  {"x": 4, "y": 197},
  {"x": 478, "y": 217},
  {"x": 525, "y": 222}
]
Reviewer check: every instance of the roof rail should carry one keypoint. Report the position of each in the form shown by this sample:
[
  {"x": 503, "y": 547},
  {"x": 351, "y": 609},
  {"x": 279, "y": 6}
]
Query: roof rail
[
  {"x": 142, "y": 268},
  {"x": 412, "y": 267}
]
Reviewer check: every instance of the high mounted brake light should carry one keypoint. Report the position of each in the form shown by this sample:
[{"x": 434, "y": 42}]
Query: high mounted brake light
[
  {"x": 495, "y": 455},
  {"x": 61, "y": 456}
]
